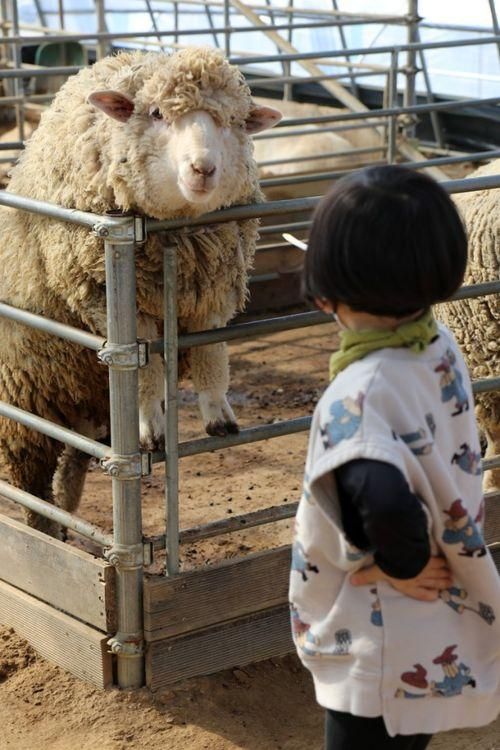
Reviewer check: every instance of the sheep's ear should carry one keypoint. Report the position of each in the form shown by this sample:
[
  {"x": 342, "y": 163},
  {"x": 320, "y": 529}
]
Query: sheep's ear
[
  {"x": 262, "y": 118},
  {"x": 112, "y": 103}
]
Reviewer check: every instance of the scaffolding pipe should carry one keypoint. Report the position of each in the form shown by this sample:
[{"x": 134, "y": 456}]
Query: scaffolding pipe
[
  {"x": 124, "y": 463},
  {"x": 47, "y": 510}
]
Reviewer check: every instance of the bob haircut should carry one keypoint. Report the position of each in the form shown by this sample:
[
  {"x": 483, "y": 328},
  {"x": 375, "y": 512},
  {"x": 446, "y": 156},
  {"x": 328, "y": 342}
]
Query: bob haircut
[{"x": 386, "y": 241}]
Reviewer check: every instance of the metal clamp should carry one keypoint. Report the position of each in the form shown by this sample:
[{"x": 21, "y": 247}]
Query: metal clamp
[
  {"x": 123, "y": 467},
  {"x": 125, "y": 356},
  {"x": 125, "y": 556},
  {"x": 126, "y": 645},
  {"x": 121, "y": 229}
]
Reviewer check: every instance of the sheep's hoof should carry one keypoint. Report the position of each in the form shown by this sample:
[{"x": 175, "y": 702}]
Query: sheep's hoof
[{"x": 218, "y": 428}]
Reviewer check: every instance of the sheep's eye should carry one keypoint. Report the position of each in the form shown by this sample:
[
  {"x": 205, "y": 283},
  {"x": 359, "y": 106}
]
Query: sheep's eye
[{"x": 156, "y": 114}]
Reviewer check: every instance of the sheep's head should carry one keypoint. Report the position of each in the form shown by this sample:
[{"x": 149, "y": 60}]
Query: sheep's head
[{"x": 182, "y": 142}]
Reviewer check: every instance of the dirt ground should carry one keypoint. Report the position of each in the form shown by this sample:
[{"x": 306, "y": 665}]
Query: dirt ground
[{"x": 265, "y": 706}]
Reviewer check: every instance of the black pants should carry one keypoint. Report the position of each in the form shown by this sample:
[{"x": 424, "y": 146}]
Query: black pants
[{"x": 347, "y": 732}]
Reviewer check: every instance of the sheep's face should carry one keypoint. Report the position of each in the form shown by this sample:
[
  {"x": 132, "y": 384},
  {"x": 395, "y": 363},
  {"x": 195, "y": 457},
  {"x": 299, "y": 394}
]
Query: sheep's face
[{"x": 188, "y": 165}]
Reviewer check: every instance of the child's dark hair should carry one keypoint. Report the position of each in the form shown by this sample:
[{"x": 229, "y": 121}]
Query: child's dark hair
[{"x": 387, "y": 241}]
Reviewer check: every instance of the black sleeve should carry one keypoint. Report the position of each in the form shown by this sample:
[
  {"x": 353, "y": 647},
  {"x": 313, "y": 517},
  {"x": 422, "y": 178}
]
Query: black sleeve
[{"x": 380, "y": 512}]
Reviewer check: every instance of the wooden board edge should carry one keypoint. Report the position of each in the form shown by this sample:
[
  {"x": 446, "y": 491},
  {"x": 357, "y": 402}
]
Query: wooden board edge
[
  {"x": 57, "y": 637},
  {"x": 234, "y": 644},
  {"x": 58, "y": 589},
  {"x": 209, "y": 596}
]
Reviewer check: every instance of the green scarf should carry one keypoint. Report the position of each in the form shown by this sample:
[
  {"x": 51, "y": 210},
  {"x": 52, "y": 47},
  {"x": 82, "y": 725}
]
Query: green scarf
[{"x": 415, "y": 335}]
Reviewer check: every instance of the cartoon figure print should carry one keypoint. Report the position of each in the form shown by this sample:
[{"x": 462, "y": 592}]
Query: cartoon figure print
[
  {"x": 346, "y": 416},
  {"x": 461, "y": 529},
  {"x": 300, "y": 563},
  {"x": 451, "y": 595},
  {"x": 376, "y": 615},
  {"x": 468, "y": 460},
  {"x": 309, "y": 644},
  {"x": 456, "y": 678},
  {"x": 451, "y": 383},
  {"x": 419, "y": 441}
]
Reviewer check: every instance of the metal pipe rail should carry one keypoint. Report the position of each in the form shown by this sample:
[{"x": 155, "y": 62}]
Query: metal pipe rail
[
  {"x": 300, "y": 179},
  {"x": 47, "y": 510},
  {"x": 377, "y": 114},
  {"x": 55, "y": 431},
  {"x": 110, "y": 35},
  {"x": 296, "y": 205},
  {"x": 71, "y": 215},
  {"x": 63, "y": 331},
  {"x": 280, "y": 429},
  {"x": 385, "y": 49},
  {"x": 269, "y": 326}
]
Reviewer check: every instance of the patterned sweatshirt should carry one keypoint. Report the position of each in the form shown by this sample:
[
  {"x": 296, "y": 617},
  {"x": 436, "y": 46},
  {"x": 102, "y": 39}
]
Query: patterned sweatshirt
[{"x": 424, "y": 666}]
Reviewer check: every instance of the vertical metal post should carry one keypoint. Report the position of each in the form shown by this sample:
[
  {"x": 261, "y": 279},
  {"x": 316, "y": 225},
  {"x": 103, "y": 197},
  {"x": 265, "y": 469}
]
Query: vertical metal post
[
  {"x": 17, "y": 59},
  {"x": 393, "y": 101},
  {"x": 227, "y": 33},
  {"x": 494, "y": 22},
  {"x": 171, "y": 353},
  {"x": 5, "y": 29},
  {"x": 343, "y": 41},
  {"x": 176, "y": 21},
  {"x": 60, "y": 11},
  {"x": 101, "y": 27},
  {"x": 153, "y": 22},
  {"x": 287, "y": 67},
  {"x": 125, "y": 462},
  {"x": 435, "y": 121},
  {"x": 409, "y": 98}
]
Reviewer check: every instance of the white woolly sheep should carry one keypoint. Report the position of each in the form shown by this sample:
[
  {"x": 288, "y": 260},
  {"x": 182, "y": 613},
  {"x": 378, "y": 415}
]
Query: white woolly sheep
[
  {"x": 476, "y": 322},
  {"x": 313, "y": 146},
  {"x": 166, "y": 136}
]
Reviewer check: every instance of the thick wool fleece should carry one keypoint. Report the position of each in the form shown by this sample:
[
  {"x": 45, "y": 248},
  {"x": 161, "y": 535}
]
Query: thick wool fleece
[
  {"x": 80, "y": 158},
  {"x": 475, "y": 323}
]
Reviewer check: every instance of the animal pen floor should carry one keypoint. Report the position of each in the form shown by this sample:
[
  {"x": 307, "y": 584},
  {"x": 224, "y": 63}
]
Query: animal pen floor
[{"x": 266, "y": 706}]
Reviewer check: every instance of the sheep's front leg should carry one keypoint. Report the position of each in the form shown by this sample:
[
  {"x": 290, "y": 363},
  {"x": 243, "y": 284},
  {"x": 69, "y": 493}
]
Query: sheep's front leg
[
  {"x": 210, "y": 375},
  {"x": 151, "y": 392}
]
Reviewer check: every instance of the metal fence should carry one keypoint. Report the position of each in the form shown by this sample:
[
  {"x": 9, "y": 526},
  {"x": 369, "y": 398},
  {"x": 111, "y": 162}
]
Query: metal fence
[
  {"x": 121, "y": 351},
  {"x": 124, "y": 355}
]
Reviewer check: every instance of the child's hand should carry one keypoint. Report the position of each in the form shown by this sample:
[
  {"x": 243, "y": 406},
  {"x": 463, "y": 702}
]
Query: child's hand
[{"x": 426, "y": 586}]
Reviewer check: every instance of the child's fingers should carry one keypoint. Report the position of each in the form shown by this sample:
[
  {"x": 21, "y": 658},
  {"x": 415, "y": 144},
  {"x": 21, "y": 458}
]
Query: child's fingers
[
  {"x": 362, "y": 577},
  {"x": 425, "y": 594},
  {"x": 437, "y": 563}
]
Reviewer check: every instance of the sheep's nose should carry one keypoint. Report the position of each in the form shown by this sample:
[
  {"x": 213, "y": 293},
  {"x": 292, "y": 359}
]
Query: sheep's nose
[{"x": 205, "y": 168}]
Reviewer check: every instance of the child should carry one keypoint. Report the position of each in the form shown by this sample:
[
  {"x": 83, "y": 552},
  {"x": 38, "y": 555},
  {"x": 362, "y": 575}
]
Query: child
[{"x": 395, "y": 600}]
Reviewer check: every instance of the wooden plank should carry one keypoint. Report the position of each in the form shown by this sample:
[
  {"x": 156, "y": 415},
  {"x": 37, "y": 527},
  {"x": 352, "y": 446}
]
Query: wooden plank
[
  {"x": 59, "y": 638},
  {"x": 217, "y": 594},
  {"x": 67, "y": 578},
  {"x": 492, "y": 517},
  {"x": 233, "y": 644}
]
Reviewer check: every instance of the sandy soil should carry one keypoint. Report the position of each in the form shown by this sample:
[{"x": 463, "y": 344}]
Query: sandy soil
[{"x": 266, "y": 706}]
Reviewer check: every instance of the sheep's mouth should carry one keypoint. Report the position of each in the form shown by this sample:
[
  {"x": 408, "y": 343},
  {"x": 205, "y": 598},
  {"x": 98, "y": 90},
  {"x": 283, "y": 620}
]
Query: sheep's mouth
[{"x": 196, "y": 193}]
